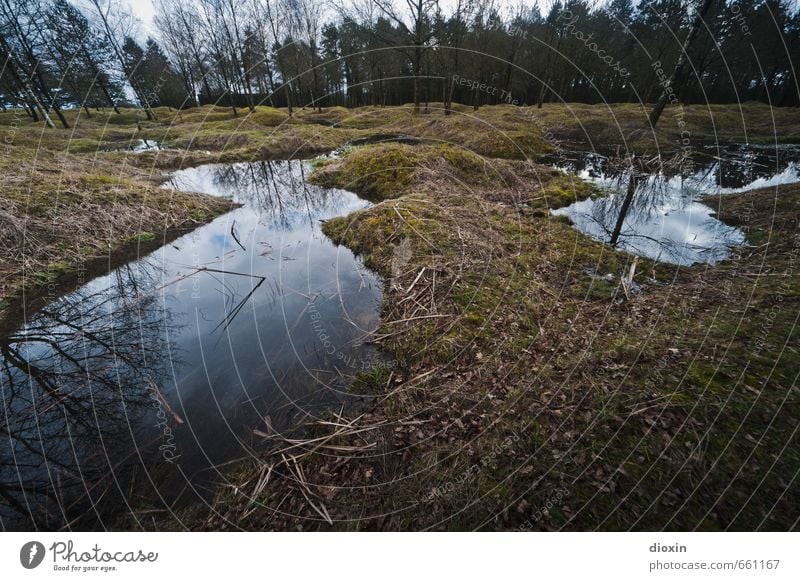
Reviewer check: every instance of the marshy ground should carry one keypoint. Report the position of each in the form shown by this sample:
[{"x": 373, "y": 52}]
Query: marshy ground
[
  {"x": 534, "y": 378},
  {"x": 532, "y": 389},
  {"x": 54, "y": 178}
]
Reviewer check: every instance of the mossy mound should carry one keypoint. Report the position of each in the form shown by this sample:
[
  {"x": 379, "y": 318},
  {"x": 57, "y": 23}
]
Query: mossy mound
[{"x": 386, "y": 171}]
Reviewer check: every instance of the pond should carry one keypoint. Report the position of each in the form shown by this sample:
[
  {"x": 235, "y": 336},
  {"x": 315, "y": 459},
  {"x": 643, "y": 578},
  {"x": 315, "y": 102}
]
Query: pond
[
  {"x": 672, "y": 217},
  {"x": 139, "y": 388}
]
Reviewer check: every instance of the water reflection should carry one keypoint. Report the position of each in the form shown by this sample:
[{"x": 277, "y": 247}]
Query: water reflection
[
  {"x": 669, "y": 219},
  {"x": 146, "y": 145},
  {"x": 75, "y": 384},
  {"x": 132, "y": 391},
  {"x": 722, "y": 167},
  {"x": 137, "y": 146}
]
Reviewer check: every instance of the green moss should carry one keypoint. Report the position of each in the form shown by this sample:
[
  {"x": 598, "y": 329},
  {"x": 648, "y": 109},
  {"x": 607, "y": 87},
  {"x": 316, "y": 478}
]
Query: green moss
[
  {"x": 563, "y": 189},
  {"x": 45, "y": 277},
  {"x": 143, "y": 237},
  {"x": 387, "y": 171},
  {"x": 372, "y": 381}
]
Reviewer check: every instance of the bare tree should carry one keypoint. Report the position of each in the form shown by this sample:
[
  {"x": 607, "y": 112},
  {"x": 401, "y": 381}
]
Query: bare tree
[
  {"x": 673, "y": 87},
  {"x": 309, "y": 14},
  {"x": 278, "y": 19},
  {"x": 416, "y": 25},
  {"x": 456, "y": 29},
  {"x": 115, "y": 28}
]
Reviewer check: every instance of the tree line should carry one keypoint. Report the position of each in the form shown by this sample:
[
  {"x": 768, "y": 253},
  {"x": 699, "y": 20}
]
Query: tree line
[{"x": 290, "y": 53}]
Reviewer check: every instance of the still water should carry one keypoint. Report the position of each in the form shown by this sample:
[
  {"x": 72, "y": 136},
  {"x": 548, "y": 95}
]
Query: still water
[
  {"x": 672, "y": 217},
  {"x": 131, "y": 394}
]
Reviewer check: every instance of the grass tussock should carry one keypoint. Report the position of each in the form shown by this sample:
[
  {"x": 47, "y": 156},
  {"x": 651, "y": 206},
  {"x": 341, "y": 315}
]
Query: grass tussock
[{"x": 390, "y": 170}]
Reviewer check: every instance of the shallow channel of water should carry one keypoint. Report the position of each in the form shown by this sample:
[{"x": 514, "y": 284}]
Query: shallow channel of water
[{"x": 138, "y": 387}]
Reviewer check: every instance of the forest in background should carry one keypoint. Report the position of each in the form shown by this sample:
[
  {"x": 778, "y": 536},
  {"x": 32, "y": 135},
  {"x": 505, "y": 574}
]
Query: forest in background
[{"x": 288, "y": 53}]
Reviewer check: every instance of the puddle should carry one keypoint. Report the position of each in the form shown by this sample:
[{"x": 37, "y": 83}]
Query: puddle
[
  {"x": 146, "y": 145},
  {"x": 670, "y": 219},
  {"x": 139, "y": 146},
  {"x": 134, "y": 387}
]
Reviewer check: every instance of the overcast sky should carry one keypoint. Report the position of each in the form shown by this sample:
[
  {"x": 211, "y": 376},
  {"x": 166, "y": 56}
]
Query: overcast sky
[{"x": 144, "y": 11}]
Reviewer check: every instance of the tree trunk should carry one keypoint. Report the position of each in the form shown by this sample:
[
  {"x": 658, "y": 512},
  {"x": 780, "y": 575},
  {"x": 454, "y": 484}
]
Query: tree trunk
[
  {"x": 623, "y": 211},
  {"x": 447, "y": 96},
  {"x": 288, "y": 97},
  {"x": 417, "y": 64},
  {"x": 313, "y": 47},
  {"x": 677, "y": 80},
  {"x": 108, "y": 97},
  {"x": 541, "y": 95},
  {"x": 270, "y": 82},
  {"x": 546, "y": 73}
]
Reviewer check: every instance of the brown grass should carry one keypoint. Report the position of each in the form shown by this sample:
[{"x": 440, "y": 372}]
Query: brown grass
[{"x": 61, "y": 212}]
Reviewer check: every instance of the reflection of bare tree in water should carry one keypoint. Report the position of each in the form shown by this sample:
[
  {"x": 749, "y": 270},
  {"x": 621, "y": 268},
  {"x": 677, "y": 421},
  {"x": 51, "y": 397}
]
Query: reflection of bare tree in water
[
  {"x": 646, "y": 184},
  {"x": 278, "y": 190},
  {"x": 75, "y": 380},
  {"x": 737, "y": 166}
]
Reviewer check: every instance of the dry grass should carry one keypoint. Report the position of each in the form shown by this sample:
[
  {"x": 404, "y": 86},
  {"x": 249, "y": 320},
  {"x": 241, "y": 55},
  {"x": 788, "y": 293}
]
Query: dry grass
[
  {"x": 61, "y": 212},
  {"x": 625, "y": 126}
]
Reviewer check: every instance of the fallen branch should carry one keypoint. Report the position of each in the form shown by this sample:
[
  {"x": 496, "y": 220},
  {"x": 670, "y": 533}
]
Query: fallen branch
[{"x": 236, "y": 238}]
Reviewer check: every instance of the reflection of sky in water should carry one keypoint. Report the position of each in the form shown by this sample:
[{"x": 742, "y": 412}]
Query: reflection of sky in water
[
  {"x": 226, "y": 334},
  {"x": 679, "y": 231},
  {"x": 666, "y": 222}
]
